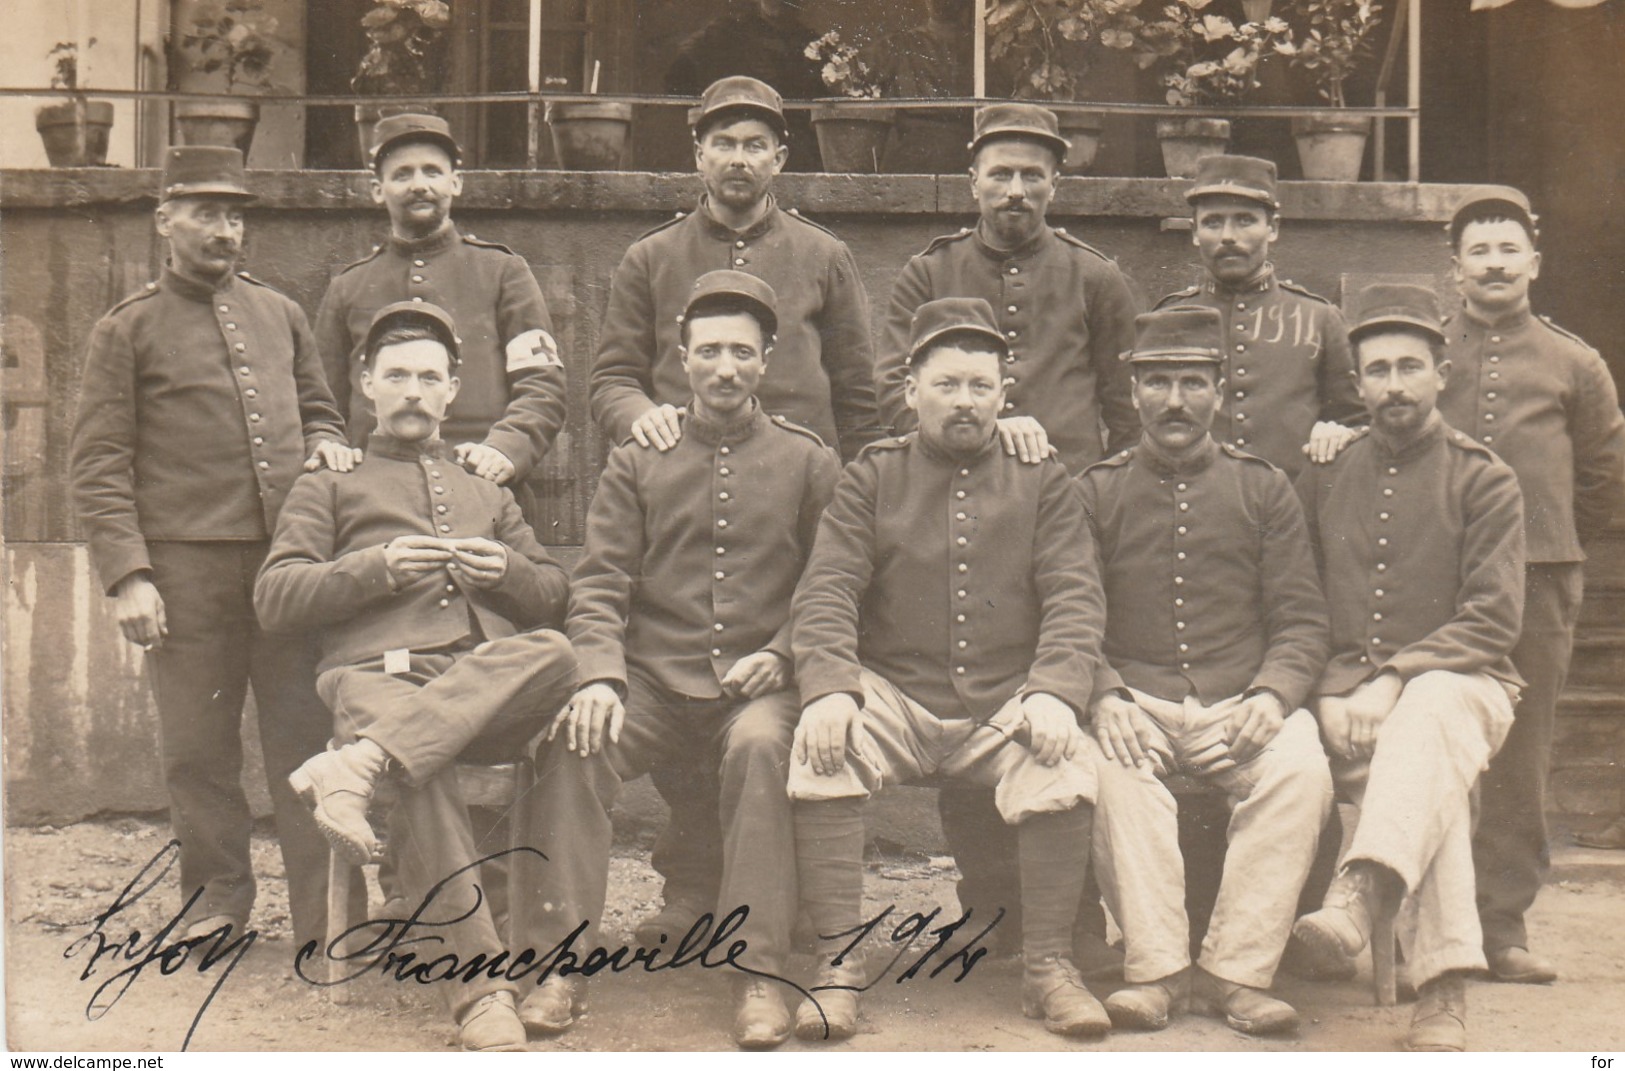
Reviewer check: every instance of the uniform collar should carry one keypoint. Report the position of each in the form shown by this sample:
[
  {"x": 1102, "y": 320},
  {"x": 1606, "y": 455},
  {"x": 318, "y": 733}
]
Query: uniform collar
[
  {"x": 435, "y": 243},
  {"x": 1163, "y": 465},
  {"x": 717, "y": 229},
  {"x": 715, "y": 433},
  {"x": 1432, "y": 431},
  {"x": 1506, "y": 322},
  {"x": 1045, "y": 235},
  {"x": 1263, "y": 279},
  {"x": 380, "y": 444},
  {"x": 193, "y": 289}
]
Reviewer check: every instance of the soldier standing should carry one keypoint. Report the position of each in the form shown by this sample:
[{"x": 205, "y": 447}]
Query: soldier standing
[{"x": 203, "y": 401}]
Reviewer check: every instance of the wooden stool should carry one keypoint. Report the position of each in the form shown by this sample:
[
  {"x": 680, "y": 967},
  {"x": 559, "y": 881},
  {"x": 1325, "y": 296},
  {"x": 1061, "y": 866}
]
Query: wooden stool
[{"x": 503, "y": 787}]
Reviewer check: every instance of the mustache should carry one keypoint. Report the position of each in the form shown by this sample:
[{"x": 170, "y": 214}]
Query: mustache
[{"x": 1495, "y": 275}]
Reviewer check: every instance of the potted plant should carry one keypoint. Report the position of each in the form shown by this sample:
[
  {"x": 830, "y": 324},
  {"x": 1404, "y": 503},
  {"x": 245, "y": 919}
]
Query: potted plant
[
  {"x": 1330, "y": 38},
  {"x": 1044, "y": 41},
  {"x": 1202, "y": 59},
  {"x": 226, "y": 48},
  {"x": 850, "y": 139},
  {"x": 403, "y": 56},
  {"x": 75, "y": 130}
]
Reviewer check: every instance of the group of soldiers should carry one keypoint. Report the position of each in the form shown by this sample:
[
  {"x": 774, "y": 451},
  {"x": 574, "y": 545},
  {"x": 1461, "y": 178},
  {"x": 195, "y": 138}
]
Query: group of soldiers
[{"x": 1074, "y": 550}]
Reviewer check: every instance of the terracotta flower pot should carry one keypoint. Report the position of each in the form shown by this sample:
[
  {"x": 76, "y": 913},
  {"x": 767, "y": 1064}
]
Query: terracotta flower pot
[
  {"x": 225, "y": 122},
  {"x": 852, "y": 140},
  {"x": 1185, "y": 141},
  {"x": 928, "y": 141},
  {"x": 75, "y": 132},
  {"x": 590, "y": 135},
  {"x": 1331, "y": 145},
  {"x": 1082, "y": 129}
]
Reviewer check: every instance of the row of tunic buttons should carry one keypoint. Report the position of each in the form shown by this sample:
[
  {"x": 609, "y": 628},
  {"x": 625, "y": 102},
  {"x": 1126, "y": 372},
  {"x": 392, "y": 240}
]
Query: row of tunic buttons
[
  {"x": 1179, "y": 580},
  {"x": 722, "y": 522},
  {"x": 963, "y": 567},
  {"x": 1489, "y": 418},
  {"x": 440, "y": 508},
  {"x": 248, "y": 392}
]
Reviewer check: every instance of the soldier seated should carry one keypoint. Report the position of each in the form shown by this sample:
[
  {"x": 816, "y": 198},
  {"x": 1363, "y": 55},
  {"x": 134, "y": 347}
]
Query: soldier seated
[
  {"x": 434, "y": 602},
  {"x": 680, "y": 617},
  {"x": 1418, "y": 533},
  {"x": 1215, "y": 631},
  {"x": 947, "y": 627}
]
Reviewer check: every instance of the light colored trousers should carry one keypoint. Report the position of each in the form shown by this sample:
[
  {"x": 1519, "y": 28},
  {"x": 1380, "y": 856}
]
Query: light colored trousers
[
  {"x": 1415, "y": 814},
  {"x": 915, "y": 745},
  {"x": 1279, "y": 801}
]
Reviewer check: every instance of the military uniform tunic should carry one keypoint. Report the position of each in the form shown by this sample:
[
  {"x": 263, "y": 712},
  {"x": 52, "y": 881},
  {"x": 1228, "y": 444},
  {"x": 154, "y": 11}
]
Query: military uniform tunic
[
  {"x": 1066, "y": 313},
  {"x": 1421, "y": 550},
  {"x": 692, "y": 554},
  {"x": 822, "y": 367},
  {"x": 200, "y": 406},
  {"x": 1287, "y": 365},
  {"x": 512, "y": 380},
  {"x": 962, "y": 582},
  {"x": 1210, "y": 584}
]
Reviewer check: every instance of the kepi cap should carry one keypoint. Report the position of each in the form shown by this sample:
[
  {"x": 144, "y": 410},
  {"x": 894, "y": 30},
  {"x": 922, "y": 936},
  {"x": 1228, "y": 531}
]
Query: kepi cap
[
  {"x": 1388, "y": 304},
  {"x": 1183, "y": 334},
  {"x": 1490, "y": 202},
  {"x": 1015, "y": 119},
  {"x": 203, "y": 171},
  {"x": 401, "y": 313},
  {"x": 413, "y": 126},
  {"x": 716, "y": 286},
  {"x": 1238, "y": 176},
  {"x": 739, "y": 93},
  {"x": 944, "y": 316}
]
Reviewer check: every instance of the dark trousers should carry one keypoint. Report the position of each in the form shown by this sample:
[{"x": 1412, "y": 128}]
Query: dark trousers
[
  {"x": 987, "y": 857},
  {"x": 480, "y": 704},
  {"x": 200, "y": 676},
  {"x": 747, "y": 745},
  {"x": 1510, "y": 850}
]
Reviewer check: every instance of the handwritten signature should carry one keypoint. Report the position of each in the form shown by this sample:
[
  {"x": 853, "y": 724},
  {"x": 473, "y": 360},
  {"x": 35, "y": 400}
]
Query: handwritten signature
[
  {"x": 410, "y": 949},
  {"x": 138, "y": 954}
]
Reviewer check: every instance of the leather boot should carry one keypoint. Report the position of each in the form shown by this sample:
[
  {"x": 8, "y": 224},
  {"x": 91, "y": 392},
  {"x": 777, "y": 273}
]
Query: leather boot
[
  {"x": 1149, "y": 1005},
  {"x": 1052, "y": 990},
  {"x": 761, "y": 1020},
  {"x": 835, "y": 1015},
  {"x": 1243, "y": 1008},
  {"x": 490, "y": 1025},
  {"x": 1342, "y": 927},
  {"x": 551, "y": 1008},
  {"x": 338, "y": 785},
  {"x": 1439, "y": 1023}
]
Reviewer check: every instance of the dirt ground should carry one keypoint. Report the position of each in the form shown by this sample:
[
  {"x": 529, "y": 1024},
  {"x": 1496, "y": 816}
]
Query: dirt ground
[{"x": 58, "y": 879}]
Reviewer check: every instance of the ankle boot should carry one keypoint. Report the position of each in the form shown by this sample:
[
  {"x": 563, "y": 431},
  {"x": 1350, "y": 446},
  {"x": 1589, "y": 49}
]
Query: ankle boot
[
  {"x": 338, "y": 785},
  {"x": 1342, "y": 927},
  {"x": 1052, "y": 990},
  {"x": 835, "y": 1015},
  {"x": 1439, "y": 1023}
]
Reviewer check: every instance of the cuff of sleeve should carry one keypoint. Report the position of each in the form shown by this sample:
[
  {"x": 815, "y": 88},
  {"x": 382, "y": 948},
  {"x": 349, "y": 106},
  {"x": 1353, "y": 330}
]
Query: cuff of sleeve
[
  {"x": 368, "y": 570},
  {"x": 114, "y": 567},
  {"x": 594, "y": 666},
  {"x": 516, "y": 448},
  {"x": 1073, "y": 693},
  {"x": 1291, "y": 694},
  {"x": 816, "y": 682}
]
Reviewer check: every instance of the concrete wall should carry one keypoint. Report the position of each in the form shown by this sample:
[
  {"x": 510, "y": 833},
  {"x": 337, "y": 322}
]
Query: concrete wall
[{"x": 78, "y": 732}]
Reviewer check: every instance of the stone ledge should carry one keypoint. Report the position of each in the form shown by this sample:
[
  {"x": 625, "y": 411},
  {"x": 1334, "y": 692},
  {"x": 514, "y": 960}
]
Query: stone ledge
[{"x": 825, "y": 195}]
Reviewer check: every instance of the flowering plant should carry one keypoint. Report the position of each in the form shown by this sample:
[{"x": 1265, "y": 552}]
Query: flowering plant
[
  {"x": 234, "y": 38},
  {"x": 1042, "y": 38},
  {"x": 842, "y": 68},
  {"x": 1203, "y": 58},
  {"x": 401, "y": 36},
  {"x": 1330, "y": 39}
]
